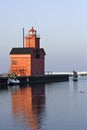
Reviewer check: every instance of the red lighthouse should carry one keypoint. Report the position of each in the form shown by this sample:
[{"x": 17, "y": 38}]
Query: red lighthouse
[{"x": 29, "y": 60}]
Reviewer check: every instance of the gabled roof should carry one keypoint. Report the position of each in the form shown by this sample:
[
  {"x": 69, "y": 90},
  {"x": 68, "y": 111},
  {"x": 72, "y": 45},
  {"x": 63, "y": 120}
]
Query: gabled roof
[
  {"x": 39, "y": 51},
  {"x": 22, "y": 51},
  {"x": 17, "y": 51}
]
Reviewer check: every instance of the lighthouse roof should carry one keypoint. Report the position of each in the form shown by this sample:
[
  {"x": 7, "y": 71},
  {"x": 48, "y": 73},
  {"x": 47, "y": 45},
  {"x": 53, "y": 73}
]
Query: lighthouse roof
[
  {"x": 15, "y": 51},
  {"x": 32, "y": 30},
  {"x": 21, "y": 51}
]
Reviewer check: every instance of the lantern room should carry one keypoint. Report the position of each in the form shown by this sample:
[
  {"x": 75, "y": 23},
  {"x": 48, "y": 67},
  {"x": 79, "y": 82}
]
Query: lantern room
[{"x": 32, "y": 39}]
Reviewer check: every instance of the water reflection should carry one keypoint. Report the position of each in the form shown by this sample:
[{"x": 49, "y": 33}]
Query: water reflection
[
  {"x": 75, "y": 86},
  {"x": 28, "y": 107}
]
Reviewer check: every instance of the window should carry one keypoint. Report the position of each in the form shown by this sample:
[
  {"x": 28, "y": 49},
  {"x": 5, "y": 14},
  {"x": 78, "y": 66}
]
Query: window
[
  {"x": 14, "y": 62},
  {"x": 37, "y": 55}
]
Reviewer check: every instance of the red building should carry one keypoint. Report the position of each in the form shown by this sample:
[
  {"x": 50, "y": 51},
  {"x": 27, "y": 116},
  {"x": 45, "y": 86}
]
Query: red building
[{"x": 28, "y": 60}]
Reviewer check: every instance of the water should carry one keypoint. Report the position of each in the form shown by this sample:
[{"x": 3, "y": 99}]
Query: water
[{"x": 56, "y": 106}]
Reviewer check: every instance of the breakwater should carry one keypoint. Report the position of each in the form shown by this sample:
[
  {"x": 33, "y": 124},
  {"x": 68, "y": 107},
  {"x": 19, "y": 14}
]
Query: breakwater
[{"x": 37, "y": 79}]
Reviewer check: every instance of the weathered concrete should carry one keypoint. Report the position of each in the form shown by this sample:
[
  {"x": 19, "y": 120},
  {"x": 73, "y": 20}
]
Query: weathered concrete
[{"x": 36, "y": 79}]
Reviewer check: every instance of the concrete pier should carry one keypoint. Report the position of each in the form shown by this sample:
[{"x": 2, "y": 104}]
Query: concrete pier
[
  {"x": 36, "y": 79},
  {"x": 3, "y": 81},
  {"x": 48, "y": 78}
]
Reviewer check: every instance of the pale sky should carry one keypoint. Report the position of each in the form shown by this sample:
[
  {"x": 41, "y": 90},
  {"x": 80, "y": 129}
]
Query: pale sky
[{"x": 61, "y": 24}]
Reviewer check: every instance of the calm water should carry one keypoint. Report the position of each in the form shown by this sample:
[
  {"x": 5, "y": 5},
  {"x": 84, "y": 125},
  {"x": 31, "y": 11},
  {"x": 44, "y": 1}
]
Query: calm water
[{"x": 56, "y": 106}]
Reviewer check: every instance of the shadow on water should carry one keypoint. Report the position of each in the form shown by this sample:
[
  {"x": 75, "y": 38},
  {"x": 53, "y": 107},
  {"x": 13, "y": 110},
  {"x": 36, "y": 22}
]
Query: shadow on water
[{"x": 28, "y": 106}]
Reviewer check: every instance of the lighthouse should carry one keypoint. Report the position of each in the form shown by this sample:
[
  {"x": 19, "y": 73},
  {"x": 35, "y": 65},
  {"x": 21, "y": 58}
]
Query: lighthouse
[{"x": 30, "y": 59}]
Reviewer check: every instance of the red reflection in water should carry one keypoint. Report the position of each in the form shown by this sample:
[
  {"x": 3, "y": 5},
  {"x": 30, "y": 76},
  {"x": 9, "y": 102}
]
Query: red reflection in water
[{"x": 29, "y": 104}]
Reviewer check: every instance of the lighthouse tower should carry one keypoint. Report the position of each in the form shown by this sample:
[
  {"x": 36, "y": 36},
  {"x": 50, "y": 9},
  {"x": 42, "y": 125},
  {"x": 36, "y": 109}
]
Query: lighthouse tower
[
  {"x": 30, "y": 59},
  {"x": 32, "y": 40}
]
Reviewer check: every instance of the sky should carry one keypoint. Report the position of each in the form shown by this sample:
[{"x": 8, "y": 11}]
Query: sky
[{"x": 61, "y": 24}]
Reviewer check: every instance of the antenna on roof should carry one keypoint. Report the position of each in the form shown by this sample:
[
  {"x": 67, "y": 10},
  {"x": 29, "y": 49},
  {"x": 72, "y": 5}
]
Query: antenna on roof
[{"x": 23, "y": 37}]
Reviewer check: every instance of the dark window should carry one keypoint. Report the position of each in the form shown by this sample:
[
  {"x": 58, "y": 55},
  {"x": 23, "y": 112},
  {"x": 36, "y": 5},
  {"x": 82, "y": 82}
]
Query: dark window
[
  {"x": 14, "y": 62},
  {"x": 37, "y": 55}
]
